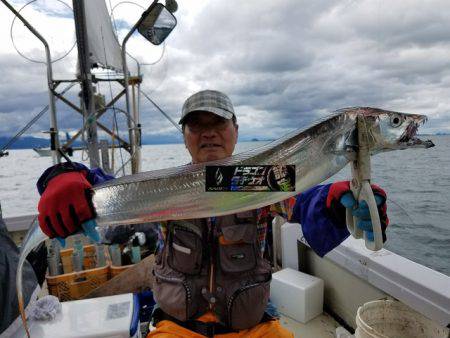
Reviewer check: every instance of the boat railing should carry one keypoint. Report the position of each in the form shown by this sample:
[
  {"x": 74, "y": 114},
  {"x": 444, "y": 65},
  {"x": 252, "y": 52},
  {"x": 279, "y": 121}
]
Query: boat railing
[{"x": 423, "y": 289}]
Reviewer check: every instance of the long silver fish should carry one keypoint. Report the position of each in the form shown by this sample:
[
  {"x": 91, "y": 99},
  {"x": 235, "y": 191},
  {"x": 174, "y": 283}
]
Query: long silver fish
[{"x": 318, "y": 152}]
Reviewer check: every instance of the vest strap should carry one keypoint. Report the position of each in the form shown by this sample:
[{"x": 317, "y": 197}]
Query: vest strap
[{"x": 206, "y": 329}]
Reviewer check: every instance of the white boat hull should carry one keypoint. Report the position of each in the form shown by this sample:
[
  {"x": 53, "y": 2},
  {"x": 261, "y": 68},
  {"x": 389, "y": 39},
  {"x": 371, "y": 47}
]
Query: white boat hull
[{"x": 43, "y": 152}]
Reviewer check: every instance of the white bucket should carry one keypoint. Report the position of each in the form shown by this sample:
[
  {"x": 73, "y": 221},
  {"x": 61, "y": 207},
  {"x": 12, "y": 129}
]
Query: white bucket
[{"x": 392, "y": 319}]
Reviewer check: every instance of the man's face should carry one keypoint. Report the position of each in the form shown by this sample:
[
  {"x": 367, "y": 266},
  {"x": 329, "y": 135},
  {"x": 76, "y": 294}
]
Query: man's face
[{"x": 209, "y": 137}]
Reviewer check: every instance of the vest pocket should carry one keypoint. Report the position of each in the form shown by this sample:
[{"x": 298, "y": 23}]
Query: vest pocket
[
  {"x": 185, "y": 250},
  {"x": 174, "y": 296},
  {"x": 237, "y": 248},
  {"x": 237, "y": 257},
  {"x": 247, "y": 304}
]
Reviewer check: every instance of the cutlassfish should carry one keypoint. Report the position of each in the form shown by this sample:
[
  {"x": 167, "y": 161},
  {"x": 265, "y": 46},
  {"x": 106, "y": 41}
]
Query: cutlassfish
[{"x": 318, "y": 152}]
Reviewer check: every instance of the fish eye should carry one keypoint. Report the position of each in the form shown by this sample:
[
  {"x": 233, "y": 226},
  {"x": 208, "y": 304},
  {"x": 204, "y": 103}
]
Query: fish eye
[{"x": 396, "y": 121}]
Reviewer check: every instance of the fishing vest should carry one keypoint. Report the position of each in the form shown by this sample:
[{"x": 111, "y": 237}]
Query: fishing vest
[{"x": 213, "y": 266}]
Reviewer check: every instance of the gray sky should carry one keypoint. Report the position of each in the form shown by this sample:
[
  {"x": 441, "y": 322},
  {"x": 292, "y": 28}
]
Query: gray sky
[{"x": 283, "y": 63}]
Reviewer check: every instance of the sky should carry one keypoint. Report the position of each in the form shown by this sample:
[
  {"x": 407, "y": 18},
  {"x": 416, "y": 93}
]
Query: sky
[{"x": 282, "y": 63}]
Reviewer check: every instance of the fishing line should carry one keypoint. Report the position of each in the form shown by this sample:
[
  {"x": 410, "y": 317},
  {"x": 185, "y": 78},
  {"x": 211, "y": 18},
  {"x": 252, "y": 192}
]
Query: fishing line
[
  {"x": 112, "y": 12},
  {"x": 120, "y": 110},
  {"x": 117, "y": 130},
  {"x": 122, "y": 167},
  {"x": 23, "y": 55},
  {"x": 113, "y": 152},
  {"x": 165, "y": 68},
  {"x": 160, "y": 57},
  {"x": 113, "y": 20},
  {"x": 403, "y": 209},
  {"x": 162, "y": 112}
]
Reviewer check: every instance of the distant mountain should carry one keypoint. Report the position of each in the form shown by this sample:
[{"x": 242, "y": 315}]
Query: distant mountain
[
  {"x": 162, "y": 139},
  {"x": 439, "y": 133},
  {"x": 255, "y": 139},
  {"x": 29, "y": 142},
  {"x": 25, "y": 142}
]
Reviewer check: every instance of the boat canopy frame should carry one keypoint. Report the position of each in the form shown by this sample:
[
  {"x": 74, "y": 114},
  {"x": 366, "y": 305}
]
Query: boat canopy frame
[
  {"x": 86, "y": 106},
  {"x": 56, "y": 156}
]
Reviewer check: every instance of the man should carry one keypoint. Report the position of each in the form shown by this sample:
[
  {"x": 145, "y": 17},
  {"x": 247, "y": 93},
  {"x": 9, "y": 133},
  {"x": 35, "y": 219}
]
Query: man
[{"x": 210, "y": 274}]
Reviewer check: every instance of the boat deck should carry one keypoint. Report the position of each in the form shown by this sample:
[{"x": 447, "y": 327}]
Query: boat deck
[{"x": 323, "y": 326}]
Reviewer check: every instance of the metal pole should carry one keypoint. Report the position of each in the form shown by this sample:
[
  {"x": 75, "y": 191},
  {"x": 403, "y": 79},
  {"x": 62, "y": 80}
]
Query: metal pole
[
  {"x": 137, "y": 148},
  {"x": 137, "y": 118},
  {"x": 53, "y": 121},
  {"x": 136, "y": 151},
  {"x": 138, "y": 65},
  {"x": 131, "y": 128},
  {"x": 139, "y": 92},
  {"x": 88, "y": 103}
]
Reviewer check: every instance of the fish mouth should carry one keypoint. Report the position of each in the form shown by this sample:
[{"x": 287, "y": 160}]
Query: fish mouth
[
  {"x": 409, "y": 138},
  {"x": 415, "y": 142}
]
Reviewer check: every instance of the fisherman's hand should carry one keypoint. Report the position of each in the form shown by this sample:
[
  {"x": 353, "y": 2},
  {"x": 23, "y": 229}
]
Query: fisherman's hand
[
  {"x": 65, "y": 204},
  {"x": 340, "y": 197}
]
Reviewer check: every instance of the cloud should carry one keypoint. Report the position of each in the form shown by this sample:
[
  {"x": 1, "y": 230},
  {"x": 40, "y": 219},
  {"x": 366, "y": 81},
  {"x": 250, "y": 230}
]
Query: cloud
[{"x": 283, "y": 64}]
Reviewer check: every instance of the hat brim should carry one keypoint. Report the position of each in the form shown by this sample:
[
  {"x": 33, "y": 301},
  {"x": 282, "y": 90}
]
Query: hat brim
[{"x": 218, "y": 111}]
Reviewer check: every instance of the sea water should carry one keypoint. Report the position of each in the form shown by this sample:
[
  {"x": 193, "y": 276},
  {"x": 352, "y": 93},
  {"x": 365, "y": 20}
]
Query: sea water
[{"x": 417, "y": 183}]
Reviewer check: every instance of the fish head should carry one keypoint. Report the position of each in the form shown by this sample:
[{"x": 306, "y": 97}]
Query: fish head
[{"x": 390, "y": 130}]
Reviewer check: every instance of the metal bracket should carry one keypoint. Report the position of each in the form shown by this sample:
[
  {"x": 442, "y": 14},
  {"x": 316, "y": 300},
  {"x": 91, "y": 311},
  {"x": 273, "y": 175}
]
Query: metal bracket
[{"x": 361, "y": 189}]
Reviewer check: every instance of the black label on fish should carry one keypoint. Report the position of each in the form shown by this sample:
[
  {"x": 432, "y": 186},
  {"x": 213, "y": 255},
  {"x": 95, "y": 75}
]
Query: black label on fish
[{"x": 250, "y": 178}]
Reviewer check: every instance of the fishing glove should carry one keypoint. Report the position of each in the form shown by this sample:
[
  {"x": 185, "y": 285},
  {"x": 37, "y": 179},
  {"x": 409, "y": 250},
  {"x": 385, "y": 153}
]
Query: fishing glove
[
  {"x": 340, "y": 197},
  {"x": 66, "y": 200}
]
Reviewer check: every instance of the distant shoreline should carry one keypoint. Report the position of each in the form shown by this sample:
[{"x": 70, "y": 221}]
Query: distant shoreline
[
  {"x": 34, "y": 142},
  {"x": 29, "y": 142}
]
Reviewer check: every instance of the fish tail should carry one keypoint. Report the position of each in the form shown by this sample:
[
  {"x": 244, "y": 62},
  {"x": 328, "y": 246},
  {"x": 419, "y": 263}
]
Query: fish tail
[{"x": 22, "y": 314}]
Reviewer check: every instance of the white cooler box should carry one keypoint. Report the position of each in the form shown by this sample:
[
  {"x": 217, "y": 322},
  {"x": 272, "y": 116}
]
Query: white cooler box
[
  {"x": 296, "y": 294},
  {"x": 112, "y": 317}
]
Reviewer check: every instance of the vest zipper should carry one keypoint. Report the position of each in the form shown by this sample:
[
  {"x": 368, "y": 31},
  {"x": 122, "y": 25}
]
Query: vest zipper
[
  {"x": 211, "y": 223},
  {"x": 178, "y": 280},
  {"x": 235, "y": 294}
]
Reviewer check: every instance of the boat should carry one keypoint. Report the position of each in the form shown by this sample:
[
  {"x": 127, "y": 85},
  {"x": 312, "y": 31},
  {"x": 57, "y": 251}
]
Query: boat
[
  {"x": 43, "y": 152},
  {"x": 47, "y": 151},
  {"x": 346, "y": 278},
  {"x": 352, "y": 276}
]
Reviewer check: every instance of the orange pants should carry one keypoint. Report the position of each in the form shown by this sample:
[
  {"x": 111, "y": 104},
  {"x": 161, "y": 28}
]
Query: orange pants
[{"x": 168, "y": 329}]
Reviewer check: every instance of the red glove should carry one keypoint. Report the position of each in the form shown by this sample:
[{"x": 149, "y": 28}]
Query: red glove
[
  {"x": 65, "y": 204},
  {"x": 338, "y": 199}
]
